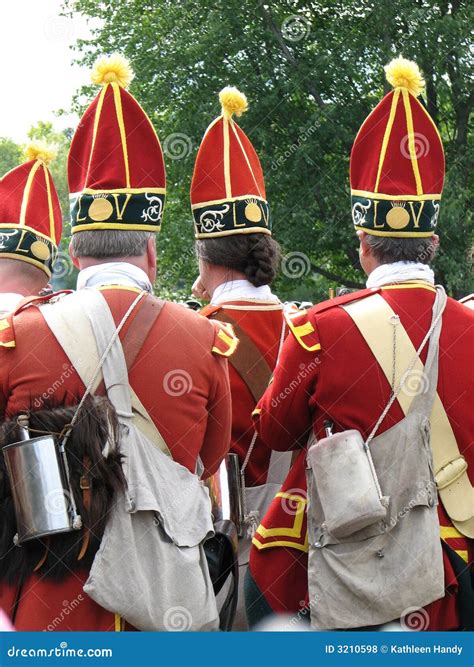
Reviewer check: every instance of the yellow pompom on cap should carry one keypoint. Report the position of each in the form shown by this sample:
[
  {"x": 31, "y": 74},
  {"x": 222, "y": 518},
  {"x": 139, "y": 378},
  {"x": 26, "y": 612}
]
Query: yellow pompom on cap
[
  {"x": 403, "y": 73},
  {"x": 39, "y": 150},
  {"x": 112, "y": 69},
  {"x": 233, "y": 102}
]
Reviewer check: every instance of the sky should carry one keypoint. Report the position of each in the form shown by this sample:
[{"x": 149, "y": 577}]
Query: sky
[{"x": 37, "y": 77}]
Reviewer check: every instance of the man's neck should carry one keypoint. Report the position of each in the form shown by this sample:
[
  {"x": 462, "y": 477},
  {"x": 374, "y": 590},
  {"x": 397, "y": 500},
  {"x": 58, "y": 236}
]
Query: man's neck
[{"x": 17, "y": 287}]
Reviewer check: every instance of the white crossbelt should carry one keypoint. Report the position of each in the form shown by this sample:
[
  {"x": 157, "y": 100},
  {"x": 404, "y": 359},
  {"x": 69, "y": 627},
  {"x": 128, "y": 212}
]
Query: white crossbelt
[{"x": 374, "y": 318}]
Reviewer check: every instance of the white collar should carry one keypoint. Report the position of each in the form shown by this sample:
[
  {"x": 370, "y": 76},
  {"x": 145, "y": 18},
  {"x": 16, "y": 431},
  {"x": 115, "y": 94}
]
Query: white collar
[
  {"x": 9, "y": 301},
  {"x": 400, "y": 272},
  {"x": 114, "y": 273},
  {"x": 240, "y": 290}
]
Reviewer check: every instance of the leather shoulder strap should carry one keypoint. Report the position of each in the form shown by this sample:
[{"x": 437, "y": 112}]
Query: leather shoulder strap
[
  {"x": 247, "y": 360},
  {"x": 373, "y": 317},
  {"x": 135, "y": 336},
  {"x": 76, "y": 343}
]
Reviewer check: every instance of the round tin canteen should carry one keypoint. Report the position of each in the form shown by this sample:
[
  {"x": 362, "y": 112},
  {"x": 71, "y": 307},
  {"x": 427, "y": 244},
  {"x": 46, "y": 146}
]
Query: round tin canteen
[{"x": 40, "y": 488}]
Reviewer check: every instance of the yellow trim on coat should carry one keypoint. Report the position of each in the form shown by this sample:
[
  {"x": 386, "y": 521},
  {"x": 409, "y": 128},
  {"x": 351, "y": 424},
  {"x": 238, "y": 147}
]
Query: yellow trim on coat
[
  {"x": 253, "y": 308},
  {"x": 380, "y": 195},
  {"x": 282, "y": 543},
  {"x": 295, "y": 531},
  {"x": 300, "y": 331},
  {"x": 375, "y": 232},
  {"x": 122, "y": 287},
  {"x": 9, "y": 344},
  {"x": 386, "y": 136},
  {"x": 411, "y": 141},
  {"x": 409, "y": 286},
  {"x": 228, "y": 340},
  {"x": 26, "y": 193},
  {"x": 449, "y": 532},
  {"x": 463, "y": 554},
  {"x": 118, "y": 623},
  {"x": 98, "y": 111},
  {"x": 121, "y": 124},
  {"x": 4, "y": 324},
  {"x": 245, "y": 156},
  {"x": 52, "y": 230},
  {"x": 228, "y": 184},
  {"x": 116, "y": 225}
]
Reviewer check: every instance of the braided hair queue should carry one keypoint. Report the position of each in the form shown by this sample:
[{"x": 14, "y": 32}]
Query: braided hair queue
[{"x": 257, "y": 256}]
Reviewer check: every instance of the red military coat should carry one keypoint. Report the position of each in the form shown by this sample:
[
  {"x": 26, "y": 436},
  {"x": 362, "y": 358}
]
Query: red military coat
[
  {"x": 180, "y": 376},
  {"x": 327, "y": 371},
  {"x": 262, "y": 322}
]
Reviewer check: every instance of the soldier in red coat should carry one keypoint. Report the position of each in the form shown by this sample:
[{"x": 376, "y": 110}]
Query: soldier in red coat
[
  {"x": 334, "y": 369},
  {"x": 178, "y": 360},
  {"x": 238, "y": 260},
  {"x": 30, "y": 228}
]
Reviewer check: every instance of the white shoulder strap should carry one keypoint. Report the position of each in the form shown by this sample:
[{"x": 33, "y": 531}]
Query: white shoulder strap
[
  {"x": 76, "y": 342},
  {"x": 374, "y": 318}
]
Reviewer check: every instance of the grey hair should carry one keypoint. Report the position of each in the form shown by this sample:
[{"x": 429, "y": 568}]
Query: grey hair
[
  {"x": 101, "y": 244},
  {"x": 388, "y": 249}
]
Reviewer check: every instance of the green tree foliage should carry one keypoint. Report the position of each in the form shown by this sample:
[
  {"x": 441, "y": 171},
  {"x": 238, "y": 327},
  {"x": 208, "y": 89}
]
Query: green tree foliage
[
  {"x": 312, "y": 71},
  {"x": 10, "y": 155}
]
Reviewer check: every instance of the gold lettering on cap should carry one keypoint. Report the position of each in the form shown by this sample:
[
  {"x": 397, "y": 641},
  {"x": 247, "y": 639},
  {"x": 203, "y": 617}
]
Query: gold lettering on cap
[
  {"x": 416, "y": 218},
  {"x": 120, "y": 211}
]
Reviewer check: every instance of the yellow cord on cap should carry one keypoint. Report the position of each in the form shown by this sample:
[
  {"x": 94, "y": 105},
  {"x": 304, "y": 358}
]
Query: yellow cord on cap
[
  {"x": 232, "y": 101},
  {"x": 403, "y": 73},
  {"x": 39, "y": 150},
  {"x": 112, "y": 69}
]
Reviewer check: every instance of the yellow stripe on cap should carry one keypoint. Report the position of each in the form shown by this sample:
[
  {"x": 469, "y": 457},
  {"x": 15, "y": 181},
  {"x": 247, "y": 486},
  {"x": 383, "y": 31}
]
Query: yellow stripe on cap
[
  {"x": 26, "y": 192},
  {"x": 98, "y": 111},
  {"x": 228, "y": 183},
  {"x": 246, "y": 158},
  {"x": 386, "y": 136},
  {"x": 52, "y": 229},
  {"x": 123, "y": 134},
  {"x": 411, "y": 141}
]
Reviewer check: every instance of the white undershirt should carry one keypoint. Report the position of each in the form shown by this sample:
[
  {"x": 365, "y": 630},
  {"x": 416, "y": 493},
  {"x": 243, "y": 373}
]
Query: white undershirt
[
  {"x": 114, "y": 273},
  {"x": 400, "y": 272},
  {"x": 241, "y": 290},
  {"x": 9, "y": 301}
]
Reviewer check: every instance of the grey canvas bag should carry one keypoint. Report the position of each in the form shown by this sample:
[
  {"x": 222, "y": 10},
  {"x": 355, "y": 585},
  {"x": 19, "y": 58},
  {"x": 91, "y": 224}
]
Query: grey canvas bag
[
  {"x": 150, "y": 568},
  {"x": 373, "y": 574}
]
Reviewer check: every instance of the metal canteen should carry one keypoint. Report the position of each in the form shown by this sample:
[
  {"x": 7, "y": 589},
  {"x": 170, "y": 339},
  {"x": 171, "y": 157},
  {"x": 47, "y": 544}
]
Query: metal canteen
[
  {"x": 39, "y": 479},
  {"x": 226, "y": 493}
]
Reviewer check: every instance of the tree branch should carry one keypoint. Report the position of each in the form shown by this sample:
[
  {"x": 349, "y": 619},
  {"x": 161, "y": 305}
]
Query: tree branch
[{"x": 337, "y": 278}]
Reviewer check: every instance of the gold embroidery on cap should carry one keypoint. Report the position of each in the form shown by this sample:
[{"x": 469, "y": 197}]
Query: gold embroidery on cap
[
  {"x": 253, "y": 212},
  {"x": 40, "y": 250},
  {"x": 100, "y": 209},
  {"x": 398, "y": 217}
]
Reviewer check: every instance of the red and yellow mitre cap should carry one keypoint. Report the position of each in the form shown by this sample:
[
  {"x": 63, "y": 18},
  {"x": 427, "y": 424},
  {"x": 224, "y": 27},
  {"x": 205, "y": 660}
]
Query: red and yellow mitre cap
[
  {"x": 397, "y": 162},
  {"x": 30, "y": 213},
  {"x": 228, "y": 189},
  {"x": 116, "y": 169}
]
